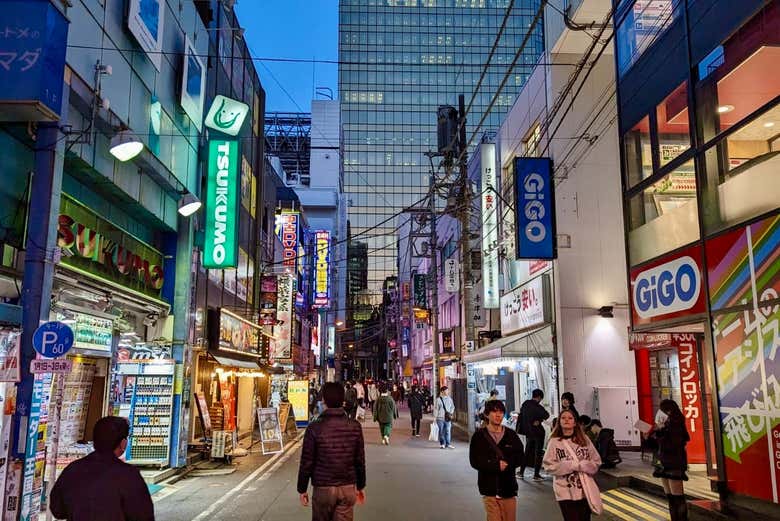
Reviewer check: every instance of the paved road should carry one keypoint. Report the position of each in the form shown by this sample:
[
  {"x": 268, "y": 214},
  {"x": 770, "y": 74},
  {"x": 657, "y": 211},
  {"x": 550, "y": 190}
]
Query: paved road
[{"x": 410, "y": 479}]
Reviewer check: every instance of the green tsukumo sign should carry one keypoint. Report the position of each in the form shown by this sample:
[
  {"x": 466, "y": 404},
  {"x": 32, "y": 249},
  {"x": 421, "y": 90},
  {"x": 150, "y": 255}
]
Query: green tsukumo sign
[{"x": 222, "y": 195}]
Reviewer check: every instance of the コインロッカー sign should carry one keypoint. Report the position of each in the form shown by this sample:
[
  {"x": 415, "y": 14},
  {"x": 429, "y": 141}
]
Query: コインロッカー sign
[{"x": 92, "y": 244}]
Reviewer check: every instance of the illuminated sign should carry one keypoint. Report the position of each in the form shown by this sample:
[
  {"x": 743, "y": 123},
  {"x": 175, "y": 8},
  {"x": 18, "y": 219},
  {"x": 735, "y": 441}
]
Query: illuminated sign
[
  {"x": 489, "y": 228},
  {"x": 281, "y": 345},
  {"x": 321, "y": 269},
  {"x": 221, "y": 235},
  {"x": 420, "y": 294},
  {"x": 287, "y": 230},
  {"x": 227, "y": 115},
  {"x": 534, "y": 208}
]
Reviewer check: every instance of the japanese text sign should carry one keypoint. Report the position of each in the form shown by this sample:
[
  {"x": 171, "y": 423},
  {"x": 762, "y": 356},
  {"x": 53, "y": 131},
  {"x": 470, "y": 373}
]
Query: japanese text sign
[
  {"x": 489, "y": 226},
  {"x": 451, "y": 275},
  {"x": 51, "y": 366},
  {"x": 420, "y": 296},
  {"x": 690, "y": 393},
  {"x": 33, "y": 39},
  {"x": 287, "y": 230},
  {"x": 526, "y": 306},
  {"x": 321, "y": 269}
]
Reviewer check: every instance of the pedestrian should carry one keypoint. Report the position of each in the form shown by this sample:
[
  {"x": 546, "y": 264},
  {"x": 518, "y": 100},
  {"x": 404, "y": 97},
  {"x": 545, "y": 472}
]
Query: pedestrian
[
  {"x": 350, "y": 401},
  {"x": 670, "y": 436},
  {"x": 333, "y": 458},
  {"x": 416, "y": 403},
  {"x": 495, "y": 452},
  {"x": 101, "y": 486},
  {"x": 529, "y": 423},
  {"x": 443, "y": 413},
  {"x": 361, "y": 393},
  {"x": 567, "y": 403},
  {"x": 396, "y": 393},
  {"x": 426, "y": 392},
  {"x": 373, "y": 394},
  {"x": 573, "y": 460},
  {"x": 604, "y": 441},
  {"x": 385, "y": 412}
]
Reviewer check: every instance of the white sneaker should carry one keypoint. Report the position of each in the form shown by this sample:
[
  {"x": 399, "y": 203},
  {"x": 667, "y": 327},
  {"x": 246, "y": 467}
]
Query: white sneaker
[
  {"x": 388, "y": 439},
  {"x": 450, "y": 447},
  {"x": 443, "y": 447},
  {"x": 384, "y": 440}
]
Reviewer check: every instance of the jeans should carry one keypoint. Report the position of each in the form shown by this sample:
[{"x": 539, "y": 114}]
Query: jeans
[
  {"x": 416, "y": 425},
  {"x": 333, "y": 503},
  {"x": 534, "y": 452},
  {"x": 445, "y": 432}
]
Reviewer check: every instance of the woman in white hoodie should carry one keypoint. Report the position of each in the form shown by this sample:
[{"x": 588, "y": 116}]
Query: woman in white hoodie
[{"x": 572, "y": 459}]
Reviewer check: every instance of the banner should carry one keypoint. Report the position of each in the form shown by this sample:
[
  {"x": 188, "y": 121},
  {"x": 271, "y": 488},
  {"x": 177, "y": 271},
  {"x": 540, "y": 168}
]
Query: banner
[
  {"x": 534, "y": 208},
  {"x": 489, "y": 227},
  {"x": 281, "y": 345},
  {"x": 322, "y": 269},
  {"x": 298, "y": 396}
]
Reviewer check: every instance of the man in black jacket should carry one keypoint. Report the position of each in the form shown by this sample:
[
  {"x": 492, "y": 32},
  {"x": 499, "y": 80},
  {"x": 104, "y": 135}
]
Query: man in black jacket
[
  {"x": 529, "y": 423},
  {"x": 100, "y": 486},
  {"x": 495, "y": 452},
  {"x": 333, "y": 458}
]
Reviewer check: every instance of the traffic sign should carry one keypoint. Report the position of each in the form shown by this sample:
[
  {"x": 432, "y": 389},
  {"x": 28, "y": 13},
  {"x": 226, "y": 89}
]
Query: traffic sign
[
  {"x": 47, "y": 365},
  {"x": 53, "y": 339}
]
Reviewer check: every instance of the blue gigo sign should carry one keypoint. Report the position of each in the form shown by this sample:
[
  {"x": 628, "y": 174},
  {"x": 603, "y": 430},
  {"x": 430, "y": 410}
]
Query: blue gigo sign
[
  {"x": 53, "y": 339},
  {"x": 535, "y": 208}
]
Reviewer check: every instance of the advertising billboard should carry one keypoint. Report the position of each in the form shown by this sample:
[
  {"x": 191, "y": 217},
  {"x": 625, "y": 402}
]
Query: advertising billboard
[
  {"x": 221, "y": 230},
  {"x": 489, "y": 227},
  {"x": 534, "y": 208},
  {"x": 322, "y": 269},
  {"x": 288, "y": 231},
  {"x": 526, "y": 307},
  {"x": 281, "y": 345}
]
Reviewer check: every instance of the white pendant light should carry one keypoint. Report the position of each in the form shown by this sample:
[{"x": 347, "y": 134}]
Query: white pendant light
[
  {"x": 189, "y": 204},
  {"x": 125, "y": 145}
]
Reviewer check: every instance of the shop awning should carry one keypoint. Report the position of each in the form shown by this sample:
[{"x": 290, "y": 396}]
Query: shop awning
[
  {"x": 234, "y": 362},
  {"x": 523, "y": 345}
]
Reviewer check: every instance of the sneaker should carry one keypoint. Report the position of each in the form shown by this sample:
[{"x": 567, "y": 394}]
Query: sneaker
[
  {"x": 418, "y": 435},
  {"x": 384, "y": 440},
  {"x": 537, "y": 477},
  {"x": 443, "y": 447},
  {"x": 388, "y": 439},
  {"x": 450, "y": 447}
]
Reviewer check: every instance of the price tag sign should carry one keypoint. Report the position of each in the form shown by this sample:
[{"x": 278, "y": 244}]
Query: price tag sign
[
  {"x": 51, "y": 366},
  {"x": 53, "y": 339}
]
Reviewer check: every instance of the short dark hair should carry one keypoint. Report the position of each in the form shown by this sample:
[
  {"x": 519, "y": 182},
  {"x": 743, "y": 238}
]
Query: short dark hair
[
  {"x": 494, "y": 392},
  {"x": 333, "y": 394},
  {"x": 568, "y": 396},
  {"x": 584, "y": 420},
  {"x": 109, "y": 432},
  {"x": 537, "y": 393},
  {"x": 494, "y": 405},
  {"x": 596, "y": 423},
  {"x": 443, "y": 388},
  {"x": 382, "y": 388}
]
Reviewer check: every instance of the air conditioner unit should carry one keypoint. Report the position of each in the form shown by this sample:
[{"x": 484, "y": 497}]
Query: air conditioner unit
[{"x": 292, "y": 179}]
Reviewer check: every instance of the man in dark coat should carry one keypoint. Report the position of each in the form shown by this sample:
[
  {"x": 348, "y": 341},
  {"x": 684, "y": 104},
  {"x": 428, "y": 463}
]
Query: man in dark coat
[
  {"x": 416, "y": 404},
  {"x": 100, "y": 486},
  {"x": 351, "y": 400},
  {"x": 333, "y": 458},
  {"x": 495, "y": 452},
  {"x": 529, "y": 423}
]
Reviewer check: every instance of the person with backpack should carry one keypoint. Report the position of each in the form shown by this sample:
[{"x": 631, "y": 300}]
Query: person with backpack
[
  {"x": 573, "y": 460},
  {"x": 529, "y": 424},
  {"x": 604, "y": 441},
  {"x": 495, "y": 452},
  {"x": 385, "y": 412},
  {"x": 444, "y": 413}
]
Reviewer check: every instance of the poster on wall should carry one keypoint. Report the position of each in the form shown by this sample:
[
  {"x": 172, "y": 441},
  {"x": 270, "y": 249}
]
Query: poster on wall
[
  {"x": 298, "y": 395},
  {"x": 193, "y": 84},
  {"x": 281, "y": 345},
  {"x": 744, "y": 271},
  {"x": 9, "y": 355},
  {"x": 145, "y": 20}
]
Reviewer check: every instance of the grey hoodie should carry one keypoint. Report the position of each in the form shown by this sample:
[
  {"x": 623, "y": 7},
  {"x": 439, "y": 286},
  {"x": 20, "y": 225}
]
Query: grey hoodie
[{"x": 438, "y": 410}]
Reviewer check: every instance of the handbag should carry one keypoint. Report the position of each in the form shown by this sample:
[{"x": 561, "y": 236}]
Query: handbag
[
  {"x": 434, "y": 436},
  {"x": 447, "y": 415},
  {"x": 361, "y": 413},
  {"x": 589, "y": 487}
]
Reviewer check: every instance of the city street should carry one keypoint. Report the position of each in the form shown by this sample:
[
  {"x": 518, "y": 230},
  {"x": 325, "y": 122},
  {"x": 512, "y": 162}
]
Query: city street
[{"x": 410, "y": 479}]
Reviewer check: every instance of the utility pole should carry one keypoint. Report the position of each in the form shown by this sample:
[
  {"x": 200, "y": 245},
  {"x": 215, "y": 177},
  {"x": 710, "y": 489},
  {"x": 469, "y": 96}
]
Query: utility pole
[
  {"x": 435, "y": 287},
  {"x": 464, "y": 215}
]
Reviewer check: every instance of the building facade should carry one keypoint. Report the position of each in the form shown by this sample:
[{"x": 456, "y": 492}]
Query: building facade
[
  {"x": 398, "y": 62},
  {"x": 698, "y": 145}
]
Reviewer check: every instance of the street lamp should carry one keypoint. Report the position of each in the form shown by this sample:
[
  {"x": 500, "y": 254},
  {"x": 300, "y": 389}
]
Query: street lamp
[
  {"x": 189, "y": 204},
  {"x": 125, "y": 145}
]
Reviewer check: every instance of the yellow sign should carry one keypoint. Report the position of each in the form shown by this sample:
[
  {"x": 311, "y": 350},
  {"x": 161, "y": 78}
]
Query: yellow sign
[{"x": 298, "y": 396}]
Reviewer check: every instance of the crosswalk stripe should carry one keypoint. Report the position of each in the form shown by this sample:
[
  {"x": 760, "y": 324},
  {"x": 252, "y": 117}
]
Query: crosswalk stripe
[
  {"x": 647, "y": 505},
  {"x": 638, "y": 514}
]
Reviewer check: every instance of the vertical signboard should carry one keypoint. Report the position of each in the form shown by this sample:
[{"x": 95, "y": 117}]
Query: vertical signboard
[
  {"x": 298, "y": 395},
  {"x": 281, "y": 345},
  {"x": 288, "y": 231},
  {"x": 420, "y": 296},
  {"x": 534, "y": 208},
  {"x": 221, "y": 233},
  {"x": 489, "y": 227},
  {"x": 268, "y": 300},
  {"x": 451, "y": 273},
  {"x": 321, "y": 269},
  {"x": 691, "y": 396}
]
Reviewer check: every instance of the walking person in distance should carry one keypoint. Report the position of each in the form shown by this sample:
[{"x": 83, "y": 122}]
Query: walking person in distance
[
  {"x": 495, "y": 452},
  {"x": 385, "y": 412},
  {"x": 670, "y": 437},
  {"x": 444, "y": 413},
  {"x": 350, "y": 401},
  {"x": 100, "y": 486},
  {"x": 416, "y": 402},
  {"x": 333, "y": 458},
  {"x": 572, "y": 459},
  {"x": 529, "y": 424}
]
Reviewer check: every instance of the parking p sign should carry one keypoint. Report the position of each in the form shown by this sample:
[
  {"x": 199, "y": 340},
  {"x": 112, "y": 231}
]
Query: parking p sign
[{"x": 53, "y": 339}]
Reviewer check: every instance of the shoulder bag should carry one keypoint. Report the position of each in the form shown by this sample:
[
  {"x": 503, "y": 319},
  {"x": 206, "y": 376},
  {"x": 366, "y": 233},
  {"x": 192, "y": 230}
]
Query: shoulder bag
[
  {"x": 447, "y": 415},
  {"x": 589, "y": 487}
]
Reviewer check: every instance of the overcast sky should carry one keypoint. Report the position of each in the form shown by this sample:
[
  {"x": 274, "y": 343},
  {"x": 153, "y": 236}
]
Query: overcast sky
[{"x": 297, "y": 29}]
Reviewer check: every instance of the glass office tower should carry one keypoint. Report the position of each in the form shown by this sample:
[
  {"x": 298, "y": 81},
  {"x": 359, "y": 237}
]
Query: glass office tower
[{"x": 398, "y": 61}]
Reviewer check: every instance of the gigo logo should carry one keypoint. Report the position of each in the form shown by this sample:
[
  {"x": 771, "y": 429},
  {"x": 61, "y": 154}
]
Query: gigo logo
[
  {"x": 668, "y": 288},
  {"x": 535, "y": 211}
]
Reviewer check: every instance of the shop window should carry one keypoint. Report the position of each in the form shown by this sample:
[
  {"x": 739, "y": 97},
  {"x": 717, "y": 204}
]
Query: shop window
[
  {"x": 741, "y": 173},
  {"x": 643, "y": 21},
  {"x": 674, "y": 136},
  {"x": 664, "y": 216},
  {"x": 741, "y": 76},
  {"x": 639, "y": 163}
]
